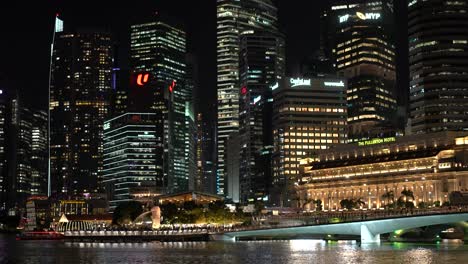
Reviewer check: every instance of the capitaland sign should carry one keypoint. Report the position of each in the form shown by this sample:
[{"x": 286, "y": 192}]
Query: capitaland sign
[
  {"x": 299, "y": 82},
  {"x": 361, "y": 16},
  {"x": 334, "y": 84},
  {"x": 375, "y": 141}
]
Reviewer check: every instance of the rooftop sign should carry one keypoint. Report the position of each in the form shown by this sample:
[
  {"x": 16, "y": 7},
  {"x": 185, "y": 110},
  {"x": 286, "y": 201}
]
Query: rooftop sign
[
  {"x": 361, "y": 16},
  {"x": 335, "y": 84},
  {"x": 299, "y": 82},
  {"x": 375, "y": 141}
]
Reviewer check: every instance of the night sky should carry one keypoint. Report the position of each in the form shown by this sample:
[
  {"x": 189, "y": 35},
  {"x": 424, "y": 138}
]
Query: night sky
[{"x": 26, "y": 34}]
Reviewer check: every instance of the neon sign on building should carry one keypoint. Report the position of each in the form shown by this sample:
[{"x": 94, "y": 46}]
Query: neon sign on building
[
  {"x": 299, "y": 82},
  {"x": 142, "y": 79},
  {"x": 361, "y": 16}
]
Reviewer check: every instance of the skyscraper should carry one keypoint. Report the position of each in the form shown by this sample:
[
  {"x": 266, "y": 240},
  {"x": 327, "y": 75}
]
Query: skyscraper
[
  {"x": 233, "y": 18},
  {"x": 361, "y": 44},
  {"x": 79, "y": 98},
  {"x": 438, "y": 45},
  {"x": 23, "y": 150},
  {"x": 309, "y": 116},
  {"x": 261, "y": 65},
  {"x": 39, "y": 151},
  {"x": 130, "y": 158},
  {"x": 158, "y": 48},
  {"x": 205, "y": 181}
]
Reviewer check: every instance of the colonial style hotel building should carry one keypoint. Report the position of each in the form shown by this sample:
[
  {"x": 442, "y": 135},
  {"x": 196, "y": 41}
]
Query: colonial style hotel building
[{"x": 430, "y": 165}]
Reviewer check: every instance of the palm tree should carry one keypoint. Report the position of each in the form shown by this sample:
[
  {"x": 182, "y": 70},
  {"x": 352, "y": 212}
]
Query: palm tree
[
  {"x": 406, "y": 199},
  {"x": 358, "y": 203},
  {"x": 318, "y": 204},
  {"x": 306, "y": 202},
  {"x": 407, "y": 194},
  {"x": 389, "y": 196}
]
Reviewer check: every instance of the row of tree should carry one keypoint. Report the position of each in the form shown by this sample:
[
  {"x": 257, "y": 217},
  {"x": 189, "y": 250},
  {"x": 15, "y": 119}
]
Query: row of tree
[
  {"x": 404, "y": 201},
  {"x": 186, "y": 213}
]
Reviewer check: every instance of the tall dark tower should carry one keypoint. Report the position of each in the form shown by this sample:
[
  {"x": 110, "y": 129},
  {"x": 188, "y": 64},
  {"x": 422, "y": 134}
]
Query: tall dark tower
[
  {"x": 438, "y": 58},
  {"x": 261, "y": 66},
  {"x": 79, "y": 98},
  {"x": 233, "y": 18},
  {"x": 361, "y": 44},
  {"x": 158, "y": 47}
]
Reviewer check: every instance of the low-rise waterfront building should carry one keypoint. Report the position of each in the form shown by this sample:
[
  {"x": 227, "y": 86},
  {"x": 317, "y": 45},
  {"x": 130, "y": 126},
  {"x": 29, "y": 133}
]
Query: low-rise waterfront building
[{"x": 431, "y": 166}]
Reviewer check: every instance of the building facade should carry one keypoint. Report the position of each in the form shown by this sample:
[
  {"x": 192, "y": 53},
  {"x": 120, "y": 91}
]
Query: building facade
[
  {"x": 431, "y": 166},
  {"x": 361, "y": 43},
  {"x": 438, "y": 44},
  {"x": 233, "y": 18},
  {"x": 80, "y": 87},
  {"x": 130, "y": 157},
  {"x": 205, "y": 180},
  {"x": 261, "y": 65},
  {"x": 23, "y": 151},
  {"x": 309, "y": 116},
  {"x": 158, "y": 49}
]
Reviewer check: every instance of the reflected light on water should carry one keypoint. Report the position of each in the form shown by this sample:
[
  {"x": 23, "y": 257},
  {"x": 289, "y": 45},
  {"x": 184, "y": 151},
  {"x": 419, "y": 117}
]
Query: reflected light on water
[
  {"x": 419, "y": 255},
  {"x": 306, "y": 244}
]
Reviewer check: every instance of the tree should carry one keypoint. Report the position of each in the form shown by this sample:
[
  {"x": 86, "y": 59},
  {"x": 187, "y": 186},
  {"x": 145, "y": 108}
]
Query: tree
[
  {"x": 389, "y": 196},
  {"x": 406, "y": 199},
  {"x": 352, "y": 203},
  {"x": 422, "y": 205},
  {"x": 318, "y": 204},
  {"x": 347, "y": 204},
  {"x": 306, "y": 202},
  {"x": 169, "y": 212},
  {"x": 407, "y": 194},
  {"x": 126, "y": 212}
]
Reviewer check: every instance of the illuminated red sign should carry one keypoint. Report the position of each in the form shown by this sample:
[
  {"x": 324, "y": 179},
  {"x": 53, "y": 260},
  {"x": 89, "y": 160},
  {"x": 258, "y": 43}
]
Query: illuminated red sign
[
  {"x": 142, "y": 79},
  {"x": 243, "y": 90},
  {"x": 172, "y": 86}
]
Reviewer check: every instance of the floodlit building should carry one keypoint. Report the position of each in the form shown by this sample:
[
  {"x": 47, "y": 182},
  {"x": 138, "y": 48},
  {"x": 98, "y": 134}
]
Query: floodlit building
[
  {"x": 309, "y": 116},
  {"x": 431, "y": 166},
  {"x": 81, "y": 68},
  {"x": 233, "y": 18},
  {"x": 359, "y": 39}
]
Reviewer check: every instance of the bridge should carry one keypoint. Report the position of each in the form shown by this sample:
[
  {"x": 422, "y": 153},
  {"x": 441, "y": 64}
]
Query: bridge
[{"x": 368, "y": 227}]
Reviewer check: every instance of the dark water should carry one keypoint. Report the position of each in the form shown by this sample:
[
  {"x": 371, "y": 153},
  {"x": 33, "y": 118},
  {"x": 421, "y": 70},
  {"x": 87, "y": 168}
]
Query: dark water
[{"x": 257, "y": 252}]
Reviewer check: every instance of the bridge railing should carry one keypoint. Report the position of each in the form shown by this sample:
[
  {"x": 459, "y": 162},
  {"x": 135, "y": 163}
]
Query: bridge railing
[{"x": 320, "y": 218}]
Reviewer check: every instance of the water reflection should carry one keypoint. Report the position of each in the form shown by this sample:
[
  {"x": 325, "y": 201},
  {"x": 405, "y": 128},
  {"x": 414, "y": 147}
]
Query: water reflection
[{"x": 257, "y": 252}]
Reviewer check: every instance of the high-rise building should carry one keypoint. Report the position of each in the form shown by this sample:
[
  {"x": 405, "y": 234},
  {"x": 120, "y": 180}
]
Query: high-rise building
[
  {"x": 309, "y": 116},
  {"x": 81, "y": 71},
  {"x": 158, "y": 49},
  {"x": 261, "y": 65},
  {"x": 233, "y": 18},
  {"x": 438, "y": 59},
  {"x": 39, "y": 151},
  {"x": 205, "y": 180},
  {"x": 130, "y": 157},
  {"x": 360, "y": 41},
  {"x": 3, "y": 171},
  {"x": 23, "y": 150}
]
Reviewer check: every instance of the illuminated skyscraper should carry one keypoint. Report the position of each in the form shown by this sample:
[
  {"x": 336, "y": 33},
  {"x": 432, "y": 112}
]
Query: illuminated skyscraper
[
  {"x": 309, "y": 116},
  {"x": 261, "y": 66},
  {"x": 23, "y": 150},
  {"x": 79, "y": 98},
  {"x": 158, "y": 48},
  {"x": 233, "y": 18},
  {"x": 438, "y": 45},
  {"x": 361, "y": 44}
]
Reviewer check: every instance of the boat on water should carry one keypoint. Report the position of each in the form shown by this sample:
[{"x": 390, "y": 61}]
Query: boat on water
[{"x": 40, "y": 235}]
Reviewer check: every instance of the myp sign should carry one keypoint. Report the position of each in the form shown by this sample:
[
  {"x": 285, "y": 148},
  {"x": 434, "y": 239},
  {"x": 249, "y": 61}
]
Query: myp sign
[{"x": 360, "y": 16}]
